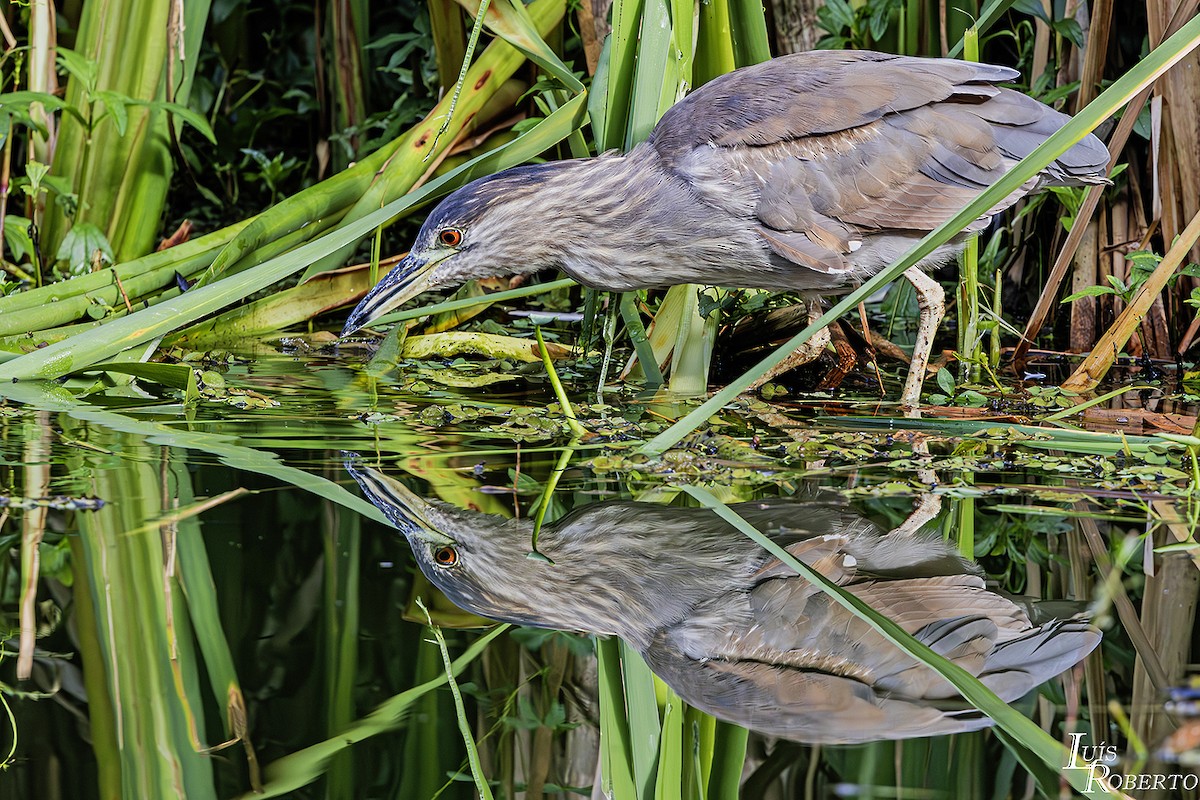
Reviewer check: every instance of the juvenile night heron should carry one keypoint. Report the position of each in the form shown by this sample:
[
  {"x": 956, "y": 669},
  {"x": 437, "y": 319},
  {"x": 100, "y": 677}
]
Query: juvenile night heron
[
  {"x": 810, "y": 172},
  {"x": 731, "y": 629}
]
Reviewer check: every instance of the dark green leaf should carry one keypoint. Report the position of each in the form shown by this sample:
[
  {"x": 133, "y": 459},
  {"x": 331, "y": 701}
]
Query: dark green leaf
[
  {"x": 879, "y": 22},
  {"x": 840, "y": 14},
  {"x": 1142, "y": 127},
  {"x": 1091, "y": 291},
  {"x": 1033, "y": 8},
  {"x": 16, "y": 237},
  {"x": 945, "y": 381},
  {"x": 972, "y": 399},
  {"x": 78, "y": 67},
  {"x": 1069, "y": 29},
  {"x": 185, "y": 114},
  {"x": 115, "y": 105}
]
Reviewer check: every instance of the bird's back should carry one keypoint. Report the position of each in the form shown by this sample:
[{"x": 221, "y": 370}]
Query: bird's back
[
  {"x": 838, "y": 161},
  {"x": 807, "y": 96}
]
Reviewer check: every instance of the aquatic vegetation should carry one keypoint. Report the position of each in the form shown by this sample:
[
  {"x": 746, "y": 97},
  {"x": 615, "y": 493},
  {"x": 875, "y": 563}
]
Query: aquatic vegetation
[{"x": 191, "y": 580}]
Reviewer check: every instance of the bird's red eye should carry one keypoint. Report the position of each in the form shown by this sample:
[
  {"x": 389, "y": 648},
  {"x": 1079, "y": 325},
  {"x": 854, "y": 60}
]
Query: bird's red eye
[
  {"x": 445, "y": 556},
  {"x": 450, "y": 237}
]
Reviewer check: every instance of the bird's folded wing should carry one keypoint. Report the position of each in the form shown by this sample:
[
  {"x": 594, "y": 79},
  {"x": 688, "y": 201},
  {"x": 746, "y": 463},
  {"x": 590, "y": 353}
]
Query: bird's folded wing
[
  {"x": 954, "y": 615},
  {"x": 835, "y": 145},
  {"x": 908, "y": 171},
  {"x": 813, "y": 94}
]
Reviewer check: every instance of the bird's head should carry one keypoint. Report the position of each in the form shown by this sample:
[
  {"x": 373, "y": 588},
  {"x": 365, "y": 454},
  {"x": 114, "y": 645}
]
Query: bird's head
[
  {"x": 479, "y": 561},
  {"x": 494, "y": 225}
]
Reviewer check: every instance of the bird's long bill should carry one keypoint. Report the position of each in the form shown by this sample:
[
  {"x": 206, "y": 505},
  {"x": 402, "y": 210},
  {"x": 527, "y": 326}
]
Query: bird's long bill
[
  {"x": 406, "y": 510},
  {"x": 406, "y": 280}
]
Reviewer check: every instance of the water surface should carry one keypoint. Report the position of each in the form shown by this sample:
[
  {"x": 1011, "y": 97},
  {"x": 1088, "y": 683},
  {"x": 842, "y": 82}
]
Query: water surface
[{"x": 220, "y": 607}]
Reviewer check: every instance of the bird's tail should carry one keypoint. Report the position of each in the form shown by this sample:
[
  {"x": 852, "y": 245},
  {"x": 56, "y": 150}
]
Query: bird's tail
[
  {"x": 1021, "y": 123},
  {"x": 1041, "y": 654},
  {"x": 1041, "y": 611}
]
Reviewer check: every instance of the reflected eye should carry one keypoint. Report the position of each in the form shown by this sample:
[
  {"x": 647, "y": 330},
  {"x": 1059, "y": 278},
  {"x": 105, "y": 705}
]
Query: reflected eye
[
  {"x": 445, "y": 556},
  {"x": 450, "y": 237}
]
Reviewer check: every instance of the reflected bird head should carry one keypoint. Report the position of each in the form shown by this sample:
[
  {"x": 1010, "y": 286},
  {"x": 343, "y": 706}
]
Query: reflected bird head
[
  {"x": 479, "y": 562},
  {"x": 501, "y": 224}
]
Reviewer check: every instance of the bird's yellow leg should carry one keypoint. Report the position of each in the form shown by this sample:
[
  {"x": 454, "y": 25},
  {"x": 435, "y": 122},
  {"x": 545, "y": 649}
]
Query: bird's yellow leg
[{"x": 931, "y": 300}]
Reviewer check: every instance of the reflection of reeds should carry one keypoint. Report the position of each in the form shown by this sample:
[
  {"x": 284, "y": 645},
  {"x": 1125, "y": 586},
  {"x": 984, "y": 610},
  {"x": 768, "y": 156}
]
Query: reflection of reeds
[
  {"x": 341, "y": 544},
  {"x": 1169, "y": 603},
  {"x": 36, "y": 481},
  {"x": 143, "y": 676},
  {"x": 1081, "y": 588}
]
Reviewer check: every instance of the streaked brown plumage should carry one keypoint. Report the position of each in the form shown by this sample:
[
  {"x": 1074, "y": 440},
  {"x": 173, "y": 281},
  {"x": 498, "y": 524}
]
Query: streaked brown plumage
[
  {"x": 809, "y": 172},
  {"x": 731, "y": 629}
]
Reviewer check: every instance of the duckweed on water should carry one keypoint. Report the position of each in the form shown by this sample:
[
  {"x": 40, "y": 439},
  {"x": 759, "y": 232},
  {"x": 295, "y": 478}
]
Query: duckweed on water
[
  {"x": 522, "y": 423},
  {"x": 962, "y": 465}
]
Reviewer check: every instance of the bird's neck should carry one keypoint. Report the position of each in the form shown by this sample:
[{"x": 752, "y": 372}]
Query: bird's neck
[
  {"x": 631, "y": 224},
  {"x": 609, "y": 187},
  {"x": 631, "y": 571}
]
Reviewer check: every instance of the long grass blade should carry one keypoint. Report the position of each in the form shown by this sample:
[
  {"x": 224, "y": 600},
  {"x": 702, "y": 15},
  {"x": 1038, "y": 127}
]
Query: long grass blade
[
  {"x": 464, "y": 725},
  {"x": 616, "y": 756},
  {"x": 728, "y": 761},
  {"x": 668, "y": 783},
  {"x": 645, "y": 729},
  {"x": 302, "y": 767},
  {"x": 199, "y": 590}
]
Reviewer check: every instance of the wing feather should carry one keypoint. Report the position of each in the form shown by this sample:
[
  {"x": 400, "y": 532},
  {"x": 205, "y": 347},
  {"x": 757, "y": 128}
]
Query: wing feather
[{"x": 823, "y": 148}]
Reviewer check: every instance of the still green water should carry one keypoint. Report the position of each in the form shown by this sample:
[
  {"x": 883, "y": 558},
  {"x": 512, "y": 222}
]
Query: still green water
[{"x": 219, "y": 608}]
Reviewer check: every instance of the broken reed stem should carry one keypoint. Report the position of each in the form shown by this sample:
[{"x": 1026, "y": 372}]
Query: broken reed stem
[{"x": 1105, "y": 351}]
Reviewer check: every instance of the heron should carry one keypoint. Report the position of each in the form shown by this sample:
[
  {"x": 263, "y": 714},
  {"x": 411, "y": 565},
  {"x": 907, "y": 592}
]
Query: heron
[
  {"x": 809, "y": 173},
  {"x": 734, "y": 631}
]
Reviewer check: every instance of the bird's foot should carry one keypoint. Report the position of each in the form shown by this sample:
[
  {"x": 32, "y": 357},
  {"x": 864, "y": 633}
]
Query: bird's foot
[
  {"x": 804, "y": 354},
  {"x": 846, "y": 359}
]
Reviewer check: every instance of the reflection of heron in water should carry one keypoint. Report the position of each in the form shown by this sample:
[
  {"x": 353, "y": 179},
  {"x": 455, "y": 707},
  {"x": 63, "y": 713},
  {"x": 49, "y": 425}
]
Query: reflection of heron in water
[{"x": 731, "y": 629}]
